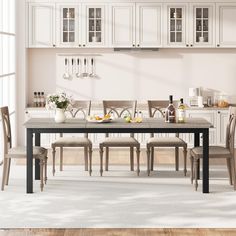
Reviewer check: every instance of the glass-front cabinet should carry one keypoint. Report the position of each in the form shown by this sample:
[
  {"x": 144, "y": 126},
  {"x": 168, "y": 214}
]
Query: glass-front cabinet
[
  {"x": 93, "y": 25},
  {"x": 68, "y": 25},
  {"x": 202, "y": 27},
  {"x": 176, "y": 25}
]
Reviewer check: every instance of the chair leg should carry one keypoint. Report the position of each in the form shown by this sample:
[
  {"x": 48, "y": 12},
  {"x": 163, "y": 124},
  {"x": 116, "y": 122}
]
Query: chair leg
[
  {"x": 8, "y": 170},
  {"x": 233, "y": 172},
  {"x": 138, "y": 160},
  {"x": 196, "y": 162},
  {"x": 132, "y": 159},
  {"x": 185, "y": 160},
  {"x": 101, "y": 160},
  {"x": 107, "y": 158},
  {"x": 176, "y": 158},
  {"x": 45, "y": 170},
  {"x": 41, "y": 174},
  {"x": 86, "y": 158},
  {"x": 4, "y": 172},
  {"x": 192, "y": 169},
  {"x": 61, "y": 158},
  {"x": 90, "y": 160},
  {"x": 229, "y": 167},
  {"x": 53, "y": 160},
  {"x": 148, "y": 161},
  {"x": 152, "y": 158}
]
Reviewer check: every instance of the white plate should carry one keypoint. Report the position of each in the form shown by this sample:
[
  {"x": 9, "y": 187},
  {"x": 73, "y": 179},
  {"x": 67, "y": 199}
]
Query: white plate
[{"x": 99, "y": 121}]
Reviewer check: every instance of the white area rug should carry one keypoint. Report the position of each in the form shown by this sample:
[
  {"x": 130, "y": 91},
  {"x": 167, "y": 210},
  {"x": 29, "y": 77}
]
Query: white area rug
[{"x": 120, "y": 199}]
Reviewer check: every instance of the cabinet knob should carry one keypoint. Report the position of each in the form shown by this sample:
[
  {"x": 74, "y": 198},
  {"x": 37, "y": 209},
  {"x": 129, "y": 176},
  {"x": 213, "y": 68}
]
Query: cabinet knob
[
  {"x": 54, "y": 45},
  {"x": 218, "y": 112},
  {"x": 138, "y": 45},
  {"x": 218, "y": 45},
  {"x": 79, "y": 45},
  {"x": 191, "y": 45},
  {"x": 187, "y": 45},
  {"x": 83, "y": 45},
  {"x": 133, "y": 45}
]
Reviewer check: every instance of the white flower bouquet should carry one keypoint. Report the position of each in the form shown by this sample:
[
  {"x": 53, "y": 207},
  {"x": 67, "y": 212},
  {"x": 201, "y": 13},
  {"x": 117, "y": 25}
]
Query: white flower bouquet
[{"x": 59, "y": 101}]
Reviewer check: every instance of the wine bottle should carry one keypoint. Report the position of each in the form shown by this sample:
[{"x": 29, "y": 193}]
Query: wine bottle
[
  {"x": 181, "y": 112},
  {"x": 170, "y": 112}
]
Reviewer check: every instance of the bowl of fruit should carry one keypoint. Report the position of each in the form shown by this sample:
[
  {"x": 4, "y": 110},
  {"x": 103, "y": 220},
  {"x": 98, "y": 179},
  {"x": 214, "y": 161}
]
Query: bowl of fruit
[{"x": 100, "y": 119}]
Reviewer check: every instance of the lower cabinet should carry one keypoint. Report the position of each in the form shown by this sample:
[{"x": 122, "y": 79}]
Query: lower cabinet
[{"x": 217, "y": 133}]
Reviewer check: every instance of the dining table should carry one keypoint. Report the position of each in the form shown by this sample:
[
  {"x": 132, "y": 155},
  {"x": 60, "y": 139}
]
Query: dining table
[{"x": 37, "y": 126}]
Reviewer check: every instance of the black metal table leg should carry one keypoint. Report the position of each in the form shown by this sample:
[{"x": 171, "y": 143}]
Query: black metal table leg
[
  {"x": 205, "y": 162},
  {"x": 197, "y": 144},
  {"x": 37, "y": 162},
  {"x": 29, "y": 169}
]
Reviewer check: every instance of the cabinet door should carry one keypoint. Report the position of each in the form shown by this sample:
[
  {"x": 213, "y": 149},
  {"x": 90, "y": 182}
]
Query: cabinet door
[
  {"x": 148, "y": 21},
  {"x": 94, "y": 25},
  {"x": 68, "y": 25},
  {"x": 226, "y": 25},
  {"x": 41, "y": 25},
  {"x": 176, "y": 25},
  {"x": 222, "y": 120},
  {"x": 122, "y": 30},
  {"x": 202, "y": 25}
]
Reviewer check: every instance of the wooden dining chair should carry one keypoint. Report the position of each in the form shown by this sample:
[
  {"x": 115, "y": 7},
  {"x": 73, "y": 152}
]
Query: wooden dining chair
[
  {"x": 82, "y": 109},
  {"x": 120, "y": 109},
  {"x": 156, "y": 108},
  {"x": 10, "y": 152},
  {"x": 218, "y": 152}
]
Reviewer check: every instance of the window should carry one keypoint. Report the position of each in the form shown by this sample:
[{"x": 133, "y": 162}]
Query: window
[{"x": 7, "y": 59}]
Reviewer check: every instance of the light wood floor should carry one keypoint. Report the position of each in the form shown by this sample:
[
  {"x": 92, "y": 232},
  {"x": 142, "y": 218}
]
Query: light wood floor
[{"x": 119, "y": 232}]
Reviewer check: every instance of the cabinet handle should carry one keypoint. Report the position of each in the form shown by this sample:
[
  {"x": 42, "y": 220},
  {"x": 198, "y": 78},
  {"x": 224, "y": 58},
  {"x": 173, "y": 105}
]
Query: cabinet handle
[
  {"x": 187, "y": 45},
  {"x": 218, "y": 45}
]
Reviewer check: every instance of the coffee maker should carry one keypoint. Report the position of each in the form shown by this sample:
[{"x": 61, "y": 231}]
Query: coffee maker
[{"x": 195, "y": 97}]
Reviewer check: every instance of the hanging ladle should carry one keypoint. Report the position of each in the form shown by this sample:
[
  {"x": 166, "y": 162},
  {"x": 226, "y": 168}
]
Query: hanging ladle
[
  {"x": 92, "y": 74},
  {"x": 78, "y": 75},
  {"x": 66, "y": 75},
  {"x": 85, "y": 74}
]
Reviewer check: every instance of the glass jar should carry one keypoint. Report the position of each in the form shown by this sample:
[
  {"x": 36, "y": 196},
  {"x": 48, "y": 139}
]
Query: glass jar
[{"x": 223, "y": 101}]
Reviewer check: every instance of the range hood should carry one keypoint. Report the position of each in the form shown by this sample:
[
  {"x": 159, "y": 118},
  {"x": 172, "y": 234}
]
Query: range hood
[{"x": 135, "y": 49}]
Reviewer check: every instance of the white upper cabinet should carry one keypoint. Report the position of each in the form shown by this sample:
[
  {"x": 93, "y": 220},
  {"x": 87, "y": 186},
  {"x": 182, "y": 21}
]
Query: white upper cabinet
[
  {"x": 94, "y": 19},
  {"x": 41, "y": 25},
  {"x": 122, "y": 28},
  {"x": 175, "y": 32},
  {"x": 226, "y": 25},
  {"x": 148, "y": 25},
  {"x": 68, "y": 26},
  {"x": 202, "y": 25}
]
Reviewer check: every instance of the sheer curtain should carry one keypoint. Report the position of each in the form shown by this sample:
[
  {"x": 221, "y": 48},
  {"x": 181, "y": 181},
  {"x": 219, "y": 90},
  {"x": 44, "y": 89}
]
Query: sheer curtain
[{"x": 7, "y": 61}]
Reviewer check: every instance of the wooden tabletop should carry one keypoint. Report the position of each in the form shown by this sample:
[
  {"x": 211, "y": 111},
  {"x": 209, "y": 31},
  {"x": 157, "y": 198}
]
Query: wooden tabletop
[{"x": 148, "y": 123}]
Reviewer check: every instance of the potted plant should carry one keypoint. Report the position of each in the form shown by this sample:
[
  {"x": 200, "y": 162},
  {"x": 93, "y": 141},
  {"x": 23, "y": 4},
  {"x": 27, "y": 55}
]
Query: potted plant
[{"x": 60, "y": 103}]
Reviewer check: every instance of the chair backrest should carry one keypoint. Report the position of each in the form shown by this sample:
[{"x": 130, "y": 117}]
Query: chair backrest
[
  {"x": 81, "y": 108},
  {"x": 6, "y": 125},
  {"x": 230, "y": 129},
  {"x": 157, "y": 107},
  {"x": 120, "y": 108}
]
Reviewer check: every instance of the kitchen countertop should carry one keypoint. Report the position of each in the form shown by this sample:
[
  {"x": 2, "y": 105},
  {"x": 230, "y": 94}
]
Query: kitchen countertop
[{"x": 97, "y": 106}]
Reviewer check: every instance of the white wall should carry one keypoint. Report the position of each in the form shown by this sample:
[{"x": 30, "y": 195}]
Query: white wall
[{"x": 137, "y": 75}]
